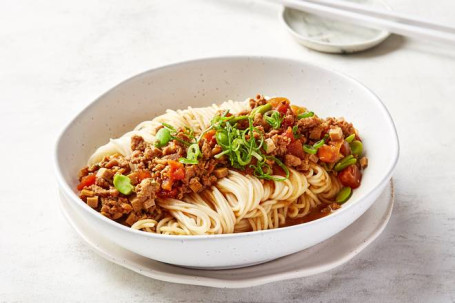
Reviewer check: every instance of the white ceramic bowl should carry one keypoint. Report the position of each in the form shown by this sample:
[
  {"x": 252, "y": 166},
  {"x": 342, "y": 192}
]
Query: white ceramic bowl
[{"x": 207, "y": 81}]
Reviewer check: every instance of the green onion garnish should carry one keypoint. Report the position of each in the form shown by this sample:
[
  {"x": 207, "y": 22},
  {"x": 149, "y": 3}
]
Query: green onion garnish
[
  {"x": 261, "y": 109},
  {"x": 192, "y": 154},
  {"x": 305, "y": 115},
  {"x": 243, "y": 147},
  {"x": 273, "y": 118},
  {"x": 318, "y": 144},
  {"x": 309, "y": 149}
]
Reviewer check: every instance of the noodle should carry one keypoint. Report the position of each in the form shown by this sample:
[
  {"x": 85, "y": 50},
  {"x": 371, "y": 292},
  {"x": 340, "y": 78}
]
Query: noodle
[{"x": 237, "y": 202}]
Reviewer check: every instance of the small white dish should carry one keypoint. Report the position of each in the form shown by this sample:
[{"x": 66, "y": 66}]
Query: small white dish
[
  {"x": 213, "y": 80},
  {"x": 332, "y": 36},
  {"x": 325, "y": 256}
]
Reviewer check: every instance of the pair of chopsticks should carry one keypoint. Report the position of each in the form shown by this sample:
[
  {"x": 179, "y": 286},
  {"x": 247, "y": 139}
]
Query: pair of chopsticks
[{"x": 375, "y": 18}]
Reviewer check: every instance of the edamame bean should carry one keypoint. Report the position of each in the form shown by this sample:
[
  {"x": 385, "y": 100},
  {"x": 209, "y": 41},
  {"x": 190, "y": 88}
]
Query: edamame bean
[
  {"x": 222, "y": 138},
  {"x": 345, "y": 162},
  {"x": 123, "y": 184},
  {"x": 343, "y": 195},
  {"x": 350, "y": 138},
  {"x": 356, "y": 147},
  {"x": 163, "y": 136}
]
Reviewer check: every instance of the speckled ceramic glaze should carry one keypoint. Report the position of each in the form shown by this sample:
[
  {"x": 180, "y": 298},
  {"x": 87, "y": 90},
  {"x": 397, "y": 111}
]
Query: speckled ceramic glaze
[
  {"x": 201, "y": 83},
  {"x": 332, "y": 36}
]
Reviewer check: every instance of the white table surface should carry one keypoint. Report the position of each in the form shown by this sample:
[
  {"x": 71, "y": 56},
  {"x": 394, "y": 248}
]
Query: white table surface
[{"x": 57, "y": 56}]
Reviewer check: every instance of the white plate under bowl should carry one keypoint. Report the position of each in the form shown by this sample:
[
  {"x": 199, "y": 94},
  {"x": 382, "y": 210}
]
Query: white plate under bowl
[
  {"x": 213, "y": 80},
  {"x": 327, "y": 255},
  {"x": 332, "y": 36}
]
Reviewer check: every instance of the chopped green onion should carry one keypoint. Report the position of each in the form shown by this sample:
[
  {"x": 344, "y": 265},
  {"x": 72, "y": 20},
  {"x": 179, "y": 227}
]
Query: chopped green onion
[
  {"x": 123, "y": 184},
  {"x": 242, "y": 146},
  {"x": 350, "y": 138},
  {"x": 181, "y": 140},
  {"x": 163, "y": 136},
  {"x": 257, "y": 156},
  {"x": 261, "y": 109},
  {"x": 187, "y": 161},
  {"x": 343, "y": 195},
  {"x": 273, "y": 118},
  {"x": 192, "y": 155},
  {"x": 318, "y": 144},
  {"x": 345, "y": 162},
  {"x": 217, "y": 156},
  {"x": 281, "y": 164},
  {"x": 305, "y": 115},
  {"x": 309, "y": 149},
  {"x": 193, "y": 151},
  {"x": 189, "y": 132},
  {"x": 356, "y": 147},
  {"x": 295, "y": 128},
  {"x": 236, "y": 119},
  {"x": 170, "y": 127}
]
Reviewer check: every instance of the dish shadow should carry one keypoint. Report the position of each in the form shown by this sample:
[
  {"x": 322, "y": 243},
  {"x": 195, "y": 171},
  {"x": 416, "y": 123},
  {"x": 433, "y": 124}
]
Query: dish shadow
[{"x": 389, "y": 45}]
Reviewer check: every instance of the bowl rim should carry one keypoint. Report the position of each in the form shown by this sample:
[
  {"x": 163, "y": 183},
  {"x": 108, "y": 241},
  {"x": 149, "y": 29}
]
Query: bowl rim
[{"x": 75, "y": 199}]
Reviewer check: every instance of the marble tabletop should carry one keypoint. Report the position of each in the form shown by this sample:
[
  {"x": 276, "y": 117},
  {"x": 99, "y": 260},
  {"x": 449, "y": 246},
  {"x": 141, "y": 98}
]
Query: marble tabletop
[{"x": 57, "y": 56}]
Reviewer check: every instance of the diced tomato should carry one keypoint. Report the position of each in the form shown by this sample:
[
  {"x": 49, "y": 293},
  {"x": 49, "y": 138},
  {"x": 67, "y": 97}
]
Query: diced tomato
[
  {"x": 86, "y": 181},
  {"x": 280, "y": 104},
  {"x": 296, "y": 149},
  {"x": 283, "y": 108},
  {"x": 167, "y": 184},
  {"x": 210, "y": 136},
  {"x": 297, "y": 110},
  {"x": 178, "y": 174},
  {"x": 289, "y": 134},
  {"x": 350, "y": 176},
  {"x": 177, "y": 171},
  {"x": 167, "y": 193},
  {"x": 143, "y": 174},
  {"x": 277, "y": 101},
  {"x": 328, "y": 153}
]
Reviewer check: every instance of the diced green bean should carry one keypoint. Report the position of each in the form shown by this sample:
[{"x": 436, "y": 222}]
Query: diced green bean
[
  {"x": 309, "y": 149},
  {"x": 163, "y": 136},
  {"x": 345, "y": 162},
  {"x": 350, "y": 138},
  {"x": 343, "y": 195},
  {"x": 356, "y": 147},
  {"x": 305, "y": 115},
  {"x": 123, "y": 184}
]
